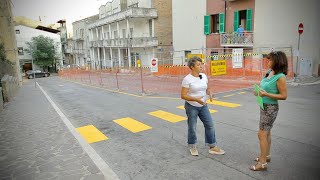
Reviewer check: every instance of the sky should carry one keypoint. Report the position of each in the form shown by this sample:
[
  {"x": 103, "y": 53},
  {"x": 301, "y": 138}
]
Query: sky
[{"x": 51, "y": 11}]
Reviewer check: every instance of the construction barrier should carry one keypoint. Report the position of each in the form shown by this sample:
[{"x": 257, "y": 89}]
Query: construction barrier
[{"x": 226, "y": 70}]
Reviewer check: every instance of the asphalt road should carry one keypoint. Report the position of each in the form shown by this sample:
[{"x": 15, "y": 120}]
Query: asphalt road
[{"x": 161, "y": 152}]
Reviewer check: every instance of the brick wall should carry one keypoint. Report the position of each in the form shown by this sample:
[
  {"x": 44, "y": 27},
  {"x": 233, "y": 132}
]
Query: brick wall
[{"x": 163, "y": 25}]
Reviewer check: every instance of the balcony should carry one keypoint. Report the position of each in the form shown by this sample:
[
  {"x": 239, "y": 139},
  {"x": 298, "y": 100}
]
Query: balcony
[
  {"x": 124, "y": 43},
  {"x": 67, "y": 50},
  {"x": 79, "y": 38},
  {"x": 78, "y": 51},
  {"x": 236, "y": 40},
  {"x": 133, "y": 12}
]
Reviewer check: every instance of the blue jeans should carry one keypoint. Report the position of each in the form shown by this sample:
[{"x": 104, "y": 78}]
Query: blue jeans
[{"x": 203, "y": 113}]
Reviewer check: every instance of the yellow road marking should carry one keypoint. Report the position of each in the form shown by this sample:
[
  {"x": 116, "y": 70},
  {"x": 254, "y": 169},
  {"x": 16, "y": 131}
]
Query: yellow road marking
[
  {"x": 242, "y": 92},
  {"x": 225, "y": 104},
  {"x": 132, "y": 124},
  {"x": 167, "y": 116},
  {"x": 228, "y": 95},
  {"x": 91, "y": 134},
  {"x": 210, "y": 110}
]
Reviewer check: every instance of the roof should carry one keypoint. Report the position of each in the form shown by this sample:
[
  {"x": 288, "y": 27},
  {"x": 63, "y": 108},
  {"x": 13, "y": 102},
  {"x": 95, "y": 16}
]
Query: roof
[{"x": 43, "y": 28}]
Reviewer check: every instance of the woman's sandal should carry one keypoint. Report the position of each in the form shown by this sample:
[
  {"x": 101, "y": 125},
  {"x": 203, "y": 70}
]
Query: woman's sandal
[
  {"x": 268, "y": 158},
  {"x": 259, "y": 167}
]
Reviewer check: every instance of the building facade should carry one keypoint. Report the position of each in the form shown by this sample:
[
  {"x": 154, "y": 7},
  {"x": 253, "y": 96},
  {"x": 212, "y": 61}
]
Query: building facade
[
  {"x": 188, "y": 36},
  {"x": 131, "y": 30},
  {"x": 8, "y": 38},
  {"x": 276, "y": 25},
  {"x": 25, "y": 34},
  {"x": 81, "y": 45}
]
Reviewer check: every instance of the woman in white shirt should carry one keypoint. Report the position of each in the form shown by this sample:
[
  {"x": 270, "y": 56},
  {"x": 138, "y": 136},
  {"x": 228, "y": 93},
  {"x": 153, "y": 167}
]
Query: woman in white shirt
[{"x": 194, "y": 91}]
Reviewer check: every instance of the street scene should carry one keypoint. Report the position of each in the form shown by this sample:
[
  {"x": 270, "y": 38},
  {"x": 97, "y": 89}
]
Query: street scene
[
  {"x": 159, "y": 89},
  {"x": 155, "y": 147}
]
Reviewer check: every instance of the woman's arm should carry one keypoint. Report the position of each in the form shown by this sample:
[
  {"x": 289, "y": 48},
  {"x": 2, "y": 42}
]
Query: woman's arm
[
  {"x": 184, "y": 96},
  {"x": 282, "y": 87}
]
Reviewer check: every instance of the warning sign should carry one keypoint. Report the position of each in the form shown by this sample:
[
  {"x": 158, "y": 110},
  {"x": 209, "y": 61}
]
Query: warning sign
[{"x": 218, "y": 67}]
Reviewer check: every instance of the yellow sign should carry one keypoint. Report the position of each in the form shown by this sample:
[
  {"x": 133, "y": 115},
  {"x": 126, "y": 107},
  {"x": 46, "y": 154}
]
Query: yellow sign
[
  {"x": 218, "y": 67},
  {"x": 138, "y": 63},
  {"x": 197, "y": 55}
]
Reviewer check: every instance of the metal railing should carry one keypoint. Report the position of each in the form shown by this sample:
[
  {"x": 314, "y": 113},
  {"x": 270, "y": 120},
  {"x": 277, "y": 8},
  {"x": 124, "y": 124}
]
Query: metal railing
[{"x": 234, "y": 39}]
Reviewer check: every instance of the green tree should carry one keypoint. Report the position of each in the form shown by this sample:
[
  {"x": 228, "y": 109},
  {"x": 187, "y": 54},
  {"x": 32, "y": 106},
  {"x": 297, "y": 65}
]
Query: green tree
[{"x": 43, "y": 51}]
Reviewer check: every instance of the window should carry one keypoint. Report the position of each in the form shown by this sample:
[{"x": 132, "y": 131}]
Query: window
[
  {"x": 214, "y": 55},
  {"x": 20, "y": 50},
  {"x": 150, "y": 27},
  {"x": 214, "y": 23},
  {"x": 17, "y": 31},
  {"x": 115, "y": 34},
  {"x": 186, "y": 55},
  {"x": 124, "y": 33},
  {"x": 244, "y": 18},
  {"x": 131, "y": 32},
  {"x": 81, "y": 33}
]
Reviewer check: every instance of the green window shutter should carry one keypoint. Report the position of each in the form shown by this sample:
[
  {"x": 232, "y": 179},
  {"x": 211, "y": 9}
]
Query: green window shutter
[
  {"x": 236, "y": 20},
  {"x": 221, "y": 23},
  {"x": 249, "y": 20},
  {"x": 206, "y": 25}
]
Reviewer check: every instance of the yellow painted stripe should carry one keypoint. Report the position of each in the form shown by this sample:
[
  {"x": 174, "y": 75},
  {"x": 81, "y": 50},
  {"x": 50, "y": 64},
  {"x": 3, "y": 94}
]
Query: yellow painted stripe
[
  {"x": 132, "y": 124},
  {"x": 228, "y": 95},
  {"x": 91, "y": 134},
  {"x": 225, "y": 104},
  {"x": 167, "y": 116},
  {"x": 210, "y": 110},
  {"x": 242, "y": 92}
]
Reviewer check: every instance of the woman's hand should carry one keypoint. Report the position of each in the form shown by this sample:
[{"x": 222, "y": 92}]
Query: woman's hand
[
  {"x": 263, "y": 93},
  {"x": 255, "y": 93},
  {"x": 199, "y": 100}
]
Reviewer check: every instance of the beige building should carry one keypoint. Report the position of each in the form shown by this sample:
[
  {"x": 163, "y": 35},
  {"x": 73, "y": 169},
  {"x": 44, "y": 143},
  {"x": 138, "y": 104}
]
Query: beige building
[
  {"x": 276, "y": 25},
  {"x": 131, "y": 30},
  {"x": 7, "y": 36}
]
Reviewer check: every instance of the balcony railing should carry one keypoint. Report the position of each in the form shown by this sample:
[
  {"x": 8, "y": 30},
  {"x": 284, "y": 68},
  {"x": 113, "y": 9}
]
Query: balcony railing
[
  {"x": 130, "y": 13},
  {"x": 78, "y": 51},
  {"x": 237, "y": 39},
  {"x": 67, "y": 50},
  {"x": 124, "y": 42},
  {"x": 79, "y": 38}
]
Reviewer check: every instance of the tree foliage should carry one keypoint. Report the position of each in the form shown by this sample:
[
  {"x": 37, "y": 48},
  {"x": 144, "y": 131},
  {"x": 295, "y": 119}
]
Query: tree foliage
[{"x": 43, "y": 51}]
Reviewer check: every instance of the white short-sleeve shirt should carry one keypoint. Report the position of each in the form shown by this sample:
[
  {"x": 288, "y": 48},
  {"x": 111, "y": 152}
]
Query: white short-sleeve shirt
[{"x": 197, "y": 88}]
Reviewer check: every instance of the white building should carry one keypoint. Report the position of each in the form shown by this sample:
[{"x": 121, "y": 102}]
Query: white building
[
  {"x": 24, "y": 34},
  {"x": 276, "y": 25},
  {"x": 188, "y": 32},
  {"x": 131, "y": 30},
  {"x": 81, "y": 44}
]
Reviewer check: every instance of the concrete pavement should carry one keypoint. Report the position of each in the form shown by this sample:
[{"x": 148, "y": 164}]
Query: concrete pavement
[{"x": 36, "y": 144}]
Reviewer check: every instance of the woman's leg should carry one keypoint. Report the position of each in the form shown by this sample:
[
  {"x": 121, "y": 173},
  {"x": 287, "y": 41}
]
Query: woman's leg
[
  {"x": 205, "y": 117},
  {"x": 192, "y": 114},
  {"x": 269, "y": 142},
  {"x": 263, "y": 140}
]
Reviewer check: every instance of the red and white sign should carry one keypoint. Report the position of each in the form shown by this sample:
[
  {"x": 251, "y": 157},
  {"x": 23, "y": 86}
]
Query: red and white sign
[
  {"x": 154, "y": 62},
  {"x": 154, "y": 65},
  {"x": 300, "y": 28}
]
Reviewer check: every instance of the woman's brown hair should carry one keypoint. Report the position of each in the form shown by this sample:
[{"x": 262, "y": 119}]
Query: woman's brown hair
[{"x": 279, "y": 62}]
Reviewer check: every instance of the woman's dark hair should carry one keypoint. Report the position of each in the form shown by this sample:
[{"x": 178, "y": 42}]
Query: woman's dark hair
[
  {"x": 279, "y": 62},
  {"x": 192, "y": 61}
]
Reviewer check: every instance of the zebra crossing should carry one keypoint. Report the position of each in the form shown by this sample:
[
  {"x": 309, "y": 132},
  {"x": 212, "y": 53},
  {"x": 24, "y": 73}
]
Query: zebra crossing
[{"x": 91, "y": 134}]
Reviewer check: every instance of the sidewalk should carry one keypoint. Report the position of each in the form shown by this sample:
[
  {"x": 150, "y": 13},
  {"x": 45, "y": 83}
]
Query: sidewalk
[{"x": 36, "y": 144}]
